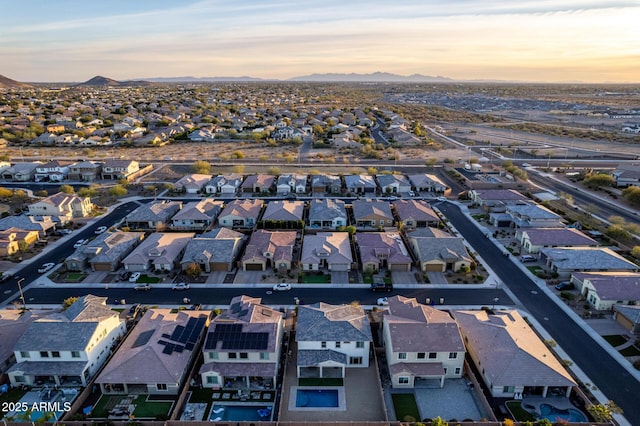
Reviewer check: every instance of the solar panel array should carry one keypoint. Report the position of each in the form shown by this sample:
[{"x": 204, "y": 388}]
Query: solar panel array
[
  {"x": 183, "y": 337},
  {"x": 233, "y": 338}
]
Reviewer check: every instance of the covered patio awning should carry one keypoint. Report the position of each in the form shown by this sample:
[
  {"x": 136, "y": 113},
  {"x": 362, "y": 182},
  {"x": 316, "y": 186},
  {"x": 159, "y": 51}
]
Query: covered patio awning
[
  {"x": 258, "y": 369},
  {"x": 53, "y": 368},
  {"x": 314, "y": 358},
  {"x": 418, "y": 369}
]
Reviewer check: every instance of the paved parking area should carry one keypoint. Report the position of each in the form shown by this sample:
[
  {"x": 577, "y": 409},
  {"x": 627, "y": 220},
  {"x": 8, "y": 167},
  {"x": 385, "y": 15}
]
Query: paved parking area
[{"x": 456, "y": 400}]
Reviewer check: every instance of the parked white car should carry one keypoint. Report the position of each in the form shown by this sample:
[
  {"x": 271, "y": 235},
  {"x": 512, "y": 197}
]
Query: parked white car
[
  {"x": 180, "y": 286},
  {"x": 79, "y": 243},
  {"x": 382, "y": 301},
  {"x": 46, "y": 267},
  {"x": 101, "y": 229},
  {"x": 134, "y": 277},
  {"x": 282, "y": 287}
]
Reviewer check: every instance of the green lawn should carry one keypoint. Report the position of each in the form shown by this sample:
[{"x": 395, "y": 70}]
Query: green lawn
[
  {"x": 148, "y": 279},
  {"x": 316, "y": 279},
  {"x": 13, "y": 395},
  {"x": 75, "y": 276},
  {"x": 615, "y": 339},
  {"x": 630, "y": 351},
  {"x": 151, "y": 409},
  {"x": 405, "y": 407},
  {"x": 520, "y": 414},
  {"x": 321, "y": 382},
  {"x": 367, "y": 279}
]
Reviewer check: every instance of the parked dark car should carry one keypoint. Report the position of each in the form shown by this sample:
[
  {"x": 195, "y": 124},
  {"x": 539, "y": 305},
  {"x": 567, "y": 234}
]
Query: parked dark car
[
  {"x": 565, "y": 285},
  {"x": 134, "y": 311},
  {"x": 381, "y": 287}
]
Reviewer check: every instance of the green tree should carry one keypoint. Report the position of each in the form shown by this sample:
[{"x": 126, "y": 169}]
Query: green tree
[
  {"x": 5, "y": 193},
  {"x": 273, "y": 170},
  {"x": 632, "y": 194},
  {"x": 635, "y": 252},
  {"x": 87, "y": 192},
  {"x": 67, "y": 189},
  {"x": 238, "y": 154},
  {"x": 192, "y": 270},
  {"x": 201, "y": 167},
  {"x": 118, "y": 191},
  {"x": 68, "y": 302},
  {"x": 604, "y": 412},
  {"x": 598, "y": 180},
  {"x": 41, "y": 193}
]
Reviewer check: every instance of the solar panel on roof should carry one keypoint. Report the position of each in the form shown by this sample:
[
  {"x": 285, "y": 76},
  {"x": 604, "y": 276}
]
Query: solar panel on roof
[
  {"x": 178, "y": 348},
  {"x": 189, "y": 346},
  {"x": 177, "y": 332},
  {"x": 162, "y": 342},
  {"x": 166, "y": 336},
  {"x": 168, "y": 349}
]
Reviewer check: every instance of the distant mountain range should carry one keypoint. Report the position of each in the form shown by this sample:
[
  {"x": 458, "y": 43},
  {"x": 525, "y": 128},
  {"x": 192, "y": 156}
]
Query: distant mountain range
[
  {"x": 379, "y": 77},
  {"x": 7, "y": 83}
]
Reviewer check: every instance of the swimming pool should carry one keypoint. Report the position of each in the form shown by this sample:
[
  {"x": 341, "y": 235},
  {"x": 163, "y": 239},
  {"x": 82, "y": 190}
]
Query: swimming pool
[
  {"x": 553, "y": 414},
  {"x": 240, "y": 413},
  {"x": 317, "y": 398}
]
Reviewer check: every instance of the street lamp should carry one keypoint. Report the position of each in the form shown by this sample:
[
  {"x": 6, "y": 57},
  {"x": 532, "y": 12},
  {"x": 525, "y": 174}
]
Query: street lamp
[
  {"x": 495, "y": 300},
  {"x": 24, "y": 303}
]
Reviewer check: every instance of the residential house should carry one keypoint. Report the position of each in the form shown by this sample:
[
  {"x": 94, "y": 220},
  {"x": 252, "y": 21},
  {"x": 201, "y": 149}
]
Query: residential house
[
  {"x": 215, "y": 250},
  {"x": 283, "y": 215},
  {"x": 422, "y": 344},
  {"x": 20, "y": 172},
  {"x": 85, "y": 171},
  {"x": 242, "y": 347},
  {"x": 192, "y": 184},
  {"x": 438, "y": 251},
  {"x": 160, "y": 251},
  {"x": 529, "y": 215},
  {"x": 13, "y": 240},
  {"x": 105, "y": 252},
  {"x": 241, "y": 213},
  {"x": 326, "y": 213},
  {"x": 326, "y": 250},
  {"x": 326, "y": 184},
  {"x": 372, "y": 213},
  {"x": 13, "y": 323},
  {"x": 534, "y": 239},
  {"x": 603, "y": 290},
  {"x": 510, "y": 357},
  {"x": 156, "y": 357},
  {"x": 627, "y": 175},
  {"x": 269, "y": 249},
  {"x": 628, "y": 316},
  {"x": 41, "y": 224},
  {"x": 119, "y": 169},
  {"x": 360, "y": 184},
  {"x": 153, "y": 216},
  {"x": 53, "y": 171},
  {"x": 413, "y": 214},
  {"x": 567, "y": 260},
  {"x": 428, "y": 183},
  {"x": 292, "y": 183},
  {"x": 259, "y": 183},
  {"x": 495, "y": 200},
  {"x": 196, "y": 215},
  {"x": 68, "y": 347},
  {"x": 393, "y": 184},
  {"x": 332, "y": 338},
  {"x": 224, "y": 184},
  {"x": 62, "y": 206},
  {"x": 403, "y": 137},
  {"x": 382, "y": 250}
]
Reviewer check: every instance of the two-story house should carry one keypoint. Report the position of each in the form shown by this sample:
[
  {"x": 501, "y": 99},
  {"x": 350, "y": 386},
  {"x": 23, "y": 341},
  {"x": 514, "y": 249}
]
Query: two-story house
[
  {"x": 85, "y": 171},
  {"x": 68, "y": 347},
  {"x": 422, "y": 344},
  {"x": 332, "y": 338},
  {"x": 119, "y": 169},
  {"x": 62, "y": 206},
  {"x": 53, "y": 171},
  {"x": 242, "y": 347}
]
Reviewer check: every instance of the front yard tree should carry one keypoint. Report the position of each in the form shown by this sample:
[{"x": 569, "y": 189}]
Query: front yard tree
[
  {"x": 598, "y": 180},
  {"x": 67, "y": 189},
  {"x": 201, "y": 167},
  {"x": 192, "y": 270},
  {"x": 604, "y": 412}
]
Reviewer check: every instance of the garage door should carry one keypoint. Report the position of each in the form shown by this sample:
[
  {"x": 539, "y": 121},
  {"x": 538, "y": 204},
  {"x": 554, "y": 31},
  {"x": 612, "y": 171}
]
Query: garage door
[
  {"x": 253, "y": 266},
  {"x": 399, "y": 267},
  {"x": 220, "y": 266},
  {"x": 433, "y": 268}
]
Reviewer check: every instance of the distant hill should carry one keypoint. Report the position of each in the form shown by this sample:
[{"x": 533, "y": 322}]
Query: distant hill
[
  {"x": 100, "y": 81},
  {"x": 189, "y": 79},
  {"x": 7, "y": 83},
  {"x": 373, "y": 77}
]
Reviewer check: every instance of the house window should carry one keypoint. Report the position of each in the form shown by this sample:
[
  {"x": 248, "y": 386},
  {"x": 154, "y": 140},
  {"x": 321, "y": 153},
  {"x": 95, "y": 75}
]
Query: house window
[
  {"x": 25, "y": 354},
  {"x": 457, "y": 371},
  {"x": 337, "y": 345},
  {"x": 433, "y": 355},
  {"x": 421, "y": 355},
  {"x": 213, "y": 355},
  {"x": 453, "y": 355},
  {"x": 445, "y": 371},
  {"x": 508, "y": 389},
  {"x": 44, "y": 354},
  {"x": 212, "y": 380},
  {"x": 20, "y": 379},
  {"x": 403, "y": 380},
  {"x": 323, "y": 344},
  {"x": 402, "y": 355},
  {"x": 360, "y": 345},
  {"x": 233, "y": 355},
  {"x": 355, "y": 360},
  {"x": 161, "y": 386},
  {"x": 75, "y": 354},
  {"x": 244, "y": 355},
  {"x": 264, "y": 355},
  {"x": 55, "y": 354}
]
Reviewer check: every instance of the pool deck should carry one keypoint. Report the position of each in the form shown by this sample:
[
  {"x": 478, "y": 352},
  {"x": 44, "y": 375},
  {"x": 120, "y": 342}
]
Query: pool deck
[
  {"x": 362, "y": 392},
  {"x": 456, "y": 400},
  {"x": 561, "y": 403}
]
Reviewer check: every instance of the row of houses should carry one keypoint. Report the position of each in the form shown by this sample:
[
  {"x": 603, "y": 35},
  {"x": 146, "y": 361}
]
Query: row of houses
[
  {"x": 242, "y": 347},
  {"x": 302, "y": 184},
  {"x": 60, "y": 171}
]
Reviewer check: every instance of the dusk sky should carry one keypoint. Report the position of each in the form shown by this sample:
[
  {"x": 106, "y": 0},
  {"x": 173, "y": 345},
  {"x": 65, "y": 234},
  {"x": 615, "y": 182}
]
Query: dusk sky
[{"x": 526, "y": 40}]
